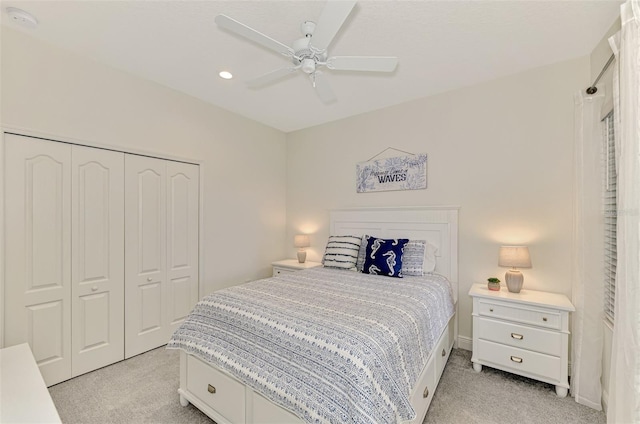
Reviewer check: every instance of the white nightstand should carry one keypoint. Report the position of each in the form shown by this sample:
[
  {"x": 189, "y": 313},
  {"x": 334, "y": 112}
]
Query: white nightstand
[
  {"x": 291, "y": 265},
  {"x": 525, "y": 333}
]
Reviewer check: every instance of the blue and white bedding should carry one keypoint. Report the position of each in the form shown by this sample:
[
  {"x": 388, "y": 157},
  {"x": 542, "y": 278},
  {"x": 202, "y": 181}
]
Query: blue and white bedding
[{"x": 331, "y": 346}]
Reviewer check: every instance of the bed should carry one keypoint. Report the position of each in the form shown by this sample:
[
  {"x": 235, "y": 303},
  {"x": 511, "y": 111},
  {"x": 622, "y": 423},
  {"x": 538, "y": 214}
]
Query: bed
[{"x": 279, "y": 350}]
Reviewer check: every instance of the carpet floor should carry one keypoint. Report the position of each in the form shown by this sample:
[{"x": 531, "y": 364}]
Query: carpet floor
[{"x": 143, "y": 389}]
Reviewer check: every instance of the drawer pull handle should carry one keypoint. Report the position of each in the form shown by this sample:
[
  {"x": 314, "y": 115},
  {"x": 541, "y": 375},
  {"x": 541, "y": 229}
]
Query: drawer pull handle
[
  {"x": 490, "y": 309},
  {"x": 212, "y": 389},
  {"x": 444, "y": 353},
  {"x": 544, "y": 319},
  {"x": 425, "y": 394},
  {"x": 516, "y": 359},
  {"x": 517, "y": 336}
]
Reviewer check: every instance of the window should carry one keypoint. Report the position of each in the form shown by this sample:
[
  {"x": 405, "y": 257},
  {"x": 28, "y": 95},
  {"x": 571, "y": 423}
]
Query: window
[{"x": 610, "y": 218}]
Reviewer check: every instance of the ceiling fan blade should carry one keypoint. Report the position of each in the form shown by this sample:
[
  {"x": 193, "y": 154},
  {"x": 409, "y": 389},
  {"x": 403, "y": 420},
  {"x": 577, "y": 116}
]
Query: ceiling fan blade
[
  {"x": 333, "y": 16},
  {"x": 323, "y": 89},
  {"x": 271, "y": 77},
  {"x": 251, "y": 34},
  {"x": 362, "y": 63}
]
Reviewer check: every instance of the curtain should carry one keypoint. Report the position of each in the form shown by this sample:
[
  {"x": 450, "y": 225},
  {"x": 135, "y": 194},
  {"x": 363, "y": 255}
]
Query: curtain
[
  {"x": 588, "y": 263},
  {"x": 624, "y": 392}
]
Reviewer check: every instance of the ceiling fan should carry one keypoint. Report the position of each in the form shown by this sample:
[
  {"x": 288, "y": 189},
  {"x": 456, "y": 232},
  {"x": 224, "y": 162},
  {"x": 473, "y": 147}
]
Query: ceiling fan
[{"x": 310, "y": 53}]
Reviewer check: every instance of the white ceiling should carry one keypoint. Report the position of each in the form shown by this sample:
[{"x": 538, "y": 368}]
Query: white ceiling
[{"x": 441, "y": 45}]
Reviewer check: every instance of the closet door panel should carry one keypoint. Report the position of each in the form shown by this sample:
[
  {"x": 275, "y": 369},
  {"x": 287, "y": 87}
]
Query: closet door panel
[
  {"x": 97, "y": 258},
  {"x": 182, "y": 240},
  {"x": 38, "y": 251},
  {"x": 145, "y": 254}
]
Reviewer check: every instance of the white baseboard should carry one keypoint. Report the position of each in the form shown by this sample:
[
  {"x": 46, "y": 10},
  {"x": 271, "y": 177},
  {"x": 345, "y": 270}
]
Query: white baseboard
[{"x": 465, "y": 343}]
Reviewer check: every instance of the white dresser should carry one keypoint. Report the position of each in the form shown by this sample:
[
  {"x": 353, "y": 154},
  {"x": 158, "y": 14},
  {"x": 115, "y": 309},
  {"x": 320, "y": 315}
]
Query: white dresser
[
  {"x": 525, "y": 333},
  {"x": 291, "y": 265},
  {"x": 24, "y": 398}
]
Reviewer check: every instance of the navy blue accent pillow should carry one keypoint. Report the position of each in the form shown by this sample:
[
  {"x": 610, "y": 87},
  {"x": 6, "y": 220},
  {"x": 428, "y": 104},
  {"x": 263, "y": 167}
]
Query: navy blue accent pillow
[{"x": 384, "y": 257}]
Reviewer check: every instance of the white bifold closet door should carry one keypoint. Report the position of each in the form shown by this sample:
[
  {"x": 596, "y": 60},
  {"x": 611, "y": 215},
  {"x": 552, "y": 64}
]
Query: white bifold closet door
[
  {"x": 97, "y": 268},
  {"x": 64, "y": 279},
  {"x": 38, "y": 252},
  {"x": 161, "y": 254}
]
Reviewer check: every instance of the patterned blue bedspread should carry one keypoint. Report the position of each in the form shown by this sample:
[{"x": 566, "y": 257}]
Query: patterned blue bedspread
[{"x": 331, "y": 346}]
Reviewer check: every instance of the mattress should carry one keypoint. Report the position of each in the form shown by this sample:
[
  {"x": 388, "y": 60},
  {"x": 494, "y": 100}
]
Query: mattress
[{"x": 329, "y": 345}]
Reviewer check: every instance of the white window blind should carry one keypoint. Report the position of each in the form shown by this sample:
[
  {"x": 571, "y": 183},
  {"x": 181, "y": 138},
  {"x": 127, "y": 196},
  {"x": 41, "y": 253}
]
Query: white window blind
[{"x": 610, "y": 218}]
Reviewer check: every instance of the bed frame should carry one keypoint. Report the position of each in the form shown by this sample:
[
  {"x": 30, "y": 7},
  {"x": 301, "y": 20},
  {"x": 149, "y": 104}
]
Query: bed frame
[{"x": 228, "y": 401}]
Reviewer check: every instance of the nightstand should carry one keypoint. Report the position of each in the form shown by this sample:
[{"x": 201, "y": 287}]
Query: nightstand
[
  {"x": 524, "y": 333},
  {"x": 291, "y": 265}
]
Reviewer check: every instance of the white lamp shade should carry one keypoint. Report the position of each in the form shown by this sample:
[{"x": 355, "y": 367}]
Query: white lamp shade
[
  {"x": 514, "y": 256},
  {"x": 301, "y": 240}
]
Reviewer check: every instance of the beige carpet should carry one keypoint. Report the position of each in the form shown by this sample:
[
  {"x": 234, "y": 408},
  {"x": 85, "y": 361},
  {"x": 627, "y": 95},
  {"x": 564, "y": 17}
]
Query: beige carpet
[{"x": 143, "y": 389}]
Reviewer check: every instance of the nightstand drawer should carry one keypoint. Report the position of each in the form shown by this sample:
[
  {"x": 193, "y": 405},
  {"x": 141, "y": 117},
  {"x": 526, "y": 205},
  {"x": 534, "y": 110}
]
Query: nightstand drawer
[
  {"x": 287, "y": 266},
  {"x": 279, "y": 271},
  {"x": 520, "y": 361},
  {"x": 516, "y": 335},
  {"x": 525, "y": 314}
]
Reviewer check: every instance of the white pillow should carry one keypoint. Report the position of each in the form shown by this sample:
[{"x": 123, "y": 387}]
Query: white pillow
[
  {"x": 429, "y": 258},
  {"x": 362, "y": 252},
  {"x": 413, "y": 258},
  {"x": 419, "y": 258},
  {"x": 342, "y": 252}
]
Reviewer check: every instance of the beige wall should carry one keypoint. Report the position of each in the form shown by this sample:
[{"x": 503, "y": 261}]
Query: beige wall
[
  {"x": 502, "y": 151},
  {"x": 53, "y": 91}
]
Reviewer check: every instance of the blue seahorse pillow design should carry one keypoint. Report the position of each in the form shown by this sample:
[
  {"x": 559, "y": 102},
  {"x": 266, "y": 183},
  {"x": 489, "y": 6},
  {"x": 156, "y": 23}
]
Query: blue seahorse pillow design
[{"x": 384, "y": 257}]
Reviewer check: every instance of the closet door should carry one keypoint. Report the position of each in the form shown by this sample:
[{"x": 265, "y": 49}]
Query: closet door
[
  {"x": 97, "y": 258},
  {"x": 182, "y": 241},
  {"x": 38, "y": 251},
  {"x": 145, "y": 254}
]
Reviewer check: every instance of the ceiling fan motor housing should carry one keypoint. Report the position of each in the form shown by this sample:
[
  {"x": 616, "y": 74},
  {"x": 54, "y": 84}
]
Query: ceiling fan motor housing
[{"x": 303, "y": 54}]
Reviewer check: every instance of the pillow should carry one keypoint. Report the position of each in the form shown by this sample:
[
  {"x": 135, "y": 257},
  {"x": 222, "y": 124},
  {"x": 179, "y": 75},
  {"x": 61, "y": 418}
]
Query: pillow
[
  {"x": 413, "y": 258},
  {"x": 362, "y": 253},
  {"x": 429, "y": 258},
  {"x": 342, "y": 252},
  {"x": 419, "y": 258},
  {"x": 384, "y": 257}
]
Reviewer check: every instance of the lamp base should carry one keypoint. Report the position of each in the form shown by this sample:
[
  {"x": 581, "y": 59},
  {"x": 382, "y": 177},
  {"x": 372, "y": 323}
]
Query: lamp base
[
  {"x": 302, "y": 256},
  {"x": 514, "y": 279}
]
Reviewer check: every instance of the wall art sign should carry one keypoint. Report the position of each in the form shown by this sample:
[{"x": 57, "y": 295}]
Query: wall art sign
[{"x": 396, "y": 173}]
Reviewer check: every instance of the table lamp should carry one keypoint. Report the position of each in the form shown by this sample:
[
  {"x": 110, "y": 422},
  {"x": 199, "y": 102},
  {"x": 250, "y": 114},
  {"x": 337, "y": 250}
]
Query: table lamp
[
  {"x": 514, "y": 257},
  {"x": 301, "y": 241}
]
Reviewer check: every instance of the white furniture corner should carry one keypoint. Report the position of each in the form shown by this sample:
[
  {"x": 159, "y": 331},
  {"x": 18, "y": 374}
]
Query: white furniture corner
[
  {"x": 524, "y": 333},
  {"x": 291, "y": 265},
  {"x": 24, "y": 397}
]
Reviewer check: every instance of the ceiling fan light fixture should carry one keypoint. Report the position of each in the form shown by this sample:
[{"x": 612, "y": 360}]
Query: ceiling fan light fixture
[
  {"x": 308, "y": 66},
  {"x": 225, "y": 75}
]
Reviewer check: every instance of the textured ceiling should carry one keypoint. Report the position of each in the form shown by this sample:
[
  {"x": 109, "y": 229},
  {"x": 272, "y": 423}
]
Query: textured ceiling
[{"x": 441, "y": 45}]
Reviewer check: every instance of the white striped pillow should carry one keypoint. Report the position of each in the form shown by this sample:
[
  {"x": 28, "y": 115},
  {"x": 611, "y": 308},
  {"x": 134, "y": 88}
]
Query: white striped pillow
[
  {"x": 342, "y": 252},
  {"x": 413, "y": 257}
]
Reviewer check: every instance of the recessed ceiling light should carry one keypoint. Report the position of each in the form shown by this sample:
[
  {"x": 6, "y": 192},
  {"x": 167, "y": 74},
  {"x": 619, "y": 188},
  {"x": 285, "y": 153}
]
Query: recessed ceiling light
[
  {"x": 225, "y": 75},
  {"x": 21, "y": 17}
]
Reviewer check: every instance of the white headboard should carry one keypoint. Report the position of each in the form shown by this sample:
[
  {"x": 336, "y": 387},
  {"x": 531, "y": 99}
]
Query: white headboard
[{"x": 436, "y": 224}]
